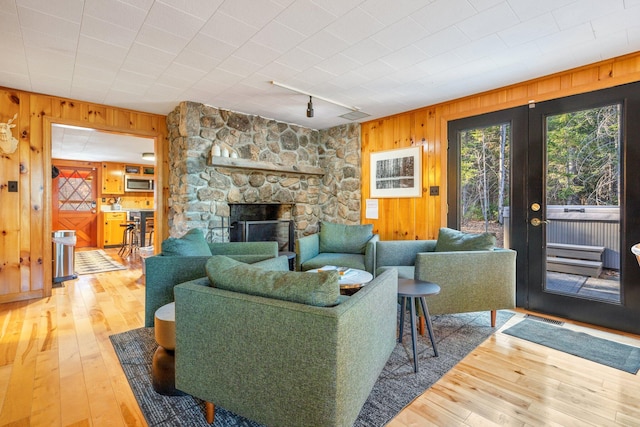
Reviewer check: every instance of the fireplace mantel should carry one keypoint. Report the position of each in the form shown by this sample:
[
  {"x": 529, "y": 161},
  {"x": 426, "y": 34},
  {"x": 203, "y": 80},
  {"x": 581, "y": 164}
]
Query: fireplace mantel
[{"x": 235, "y": 163}]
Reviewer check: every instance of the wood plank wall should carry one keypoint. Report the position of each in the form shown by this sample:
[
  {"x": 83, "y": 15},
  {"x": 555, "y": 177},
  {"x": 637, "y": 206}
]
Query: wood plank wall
[
  {"x": 420, "y": 218},
  {"x": 25, "y": 216}
]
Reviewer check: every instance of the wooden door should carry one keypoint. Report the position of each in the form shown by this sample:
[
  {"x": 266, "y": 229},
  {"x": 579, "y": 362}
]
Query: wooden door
[{"x": 74, "y": 203}]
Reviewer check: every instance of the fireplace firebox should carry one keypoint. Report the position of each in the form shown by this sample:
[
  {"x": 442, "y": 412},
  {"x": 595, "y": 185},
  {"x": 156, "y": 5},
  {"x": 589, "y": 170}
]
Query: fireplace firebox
[{"x": 263, "y": 222}]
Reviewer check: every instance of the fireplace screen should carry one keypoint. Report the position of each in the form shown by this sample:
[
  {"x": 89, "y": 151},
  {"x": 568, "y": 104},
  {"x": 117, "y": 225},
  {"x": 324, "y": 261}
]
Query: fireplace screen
[{"x": 280, "y": 231}]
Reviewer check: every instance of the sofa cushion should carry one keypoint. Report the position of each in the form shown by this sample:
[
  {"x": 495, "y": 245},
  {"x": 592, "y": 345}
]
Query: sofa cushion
[
  {"x": 342, "y": 238},
  {"x": 318, "y": 289},
  {"x": 192, "y": 243},
  {"x": 454, "y": 240}
]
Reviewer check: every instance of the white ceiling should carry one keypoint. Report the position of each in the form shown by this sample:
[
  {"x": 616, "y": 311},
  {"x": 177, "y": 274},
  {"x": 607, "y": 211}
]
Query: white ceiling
[
  {"x": 73, "y": 143},
  {"x": 382, "y": 56}
]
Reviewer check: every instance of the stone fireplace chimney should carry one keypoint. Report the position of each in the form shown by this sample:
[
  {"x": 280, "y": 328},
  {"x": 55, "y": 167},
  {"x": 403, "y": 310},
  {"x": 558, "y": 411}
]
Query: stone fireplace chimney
[{"x": 317, "y": 172}]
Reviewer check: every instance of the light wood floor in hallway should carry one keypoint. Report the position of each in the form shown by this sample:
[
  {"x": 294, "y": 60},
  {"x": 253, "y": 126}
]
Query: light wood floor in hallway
[{"x": 58, "y": 368}]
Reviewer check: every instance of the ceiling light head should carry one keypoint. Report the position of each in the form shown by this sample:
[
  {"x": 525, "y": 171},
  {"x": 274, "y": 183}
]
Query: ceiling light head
[
  {"x": 310, "y": 108},
  {"x": 149, "y": 156}
]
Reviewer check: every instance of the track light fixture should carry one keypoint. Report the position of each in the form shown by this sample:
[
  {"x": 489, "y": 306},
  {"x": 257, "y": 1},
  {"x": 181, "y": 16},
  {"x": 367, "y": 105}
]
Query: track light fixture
[
  {"x": 310, "y": 104},
  {"x": 310, "y": 108}
]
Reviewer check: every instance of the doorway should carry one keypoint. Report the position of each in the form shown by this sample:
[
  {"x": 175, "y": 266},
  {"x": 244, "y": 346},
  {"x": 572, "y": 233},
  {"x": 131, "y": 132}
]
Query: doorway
[
  {"x": 74, "y": 204},
  {"x": 100, "y": 149},
  {"x": 569, "y": 214}
]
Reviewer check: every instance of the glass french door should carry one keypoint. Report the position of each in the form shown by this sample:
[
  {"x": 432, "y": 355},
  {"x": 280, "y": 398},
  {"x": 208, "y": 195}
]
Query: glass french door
[
  {"x": 579, "y": 208},
  {"x": 566, "y": 198}
]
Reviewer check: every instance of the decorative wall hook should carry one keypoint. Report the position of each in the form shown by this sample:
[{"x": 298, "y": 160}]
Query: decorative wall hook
[{"x": 8, "y": 144}]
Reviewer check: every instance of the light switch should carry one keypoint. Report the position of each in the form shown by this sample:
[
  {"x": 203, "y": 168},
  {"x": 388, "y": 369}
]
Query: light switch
[{"x": 13, "y": 186}]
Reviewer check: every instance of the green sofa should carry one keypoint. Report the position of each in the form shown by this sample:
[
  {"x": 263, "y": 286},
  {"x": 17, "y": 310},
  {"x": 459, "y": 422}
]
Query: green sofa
[
  {"x": 163, "y": 272},
  {"x": 341, "y": 245},
  {"x": 284, "y": 363},
  {"x": 477, "y": 280}
]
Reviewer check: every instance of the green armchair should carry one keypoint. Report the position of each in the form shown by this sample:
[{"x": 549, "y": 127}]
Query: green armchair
[
  {"x": 163, "y": 272},
  {"x": 470, "y": 280},
  {"x": 297, "y": 364},
  {"x": 341, "y": 245}
]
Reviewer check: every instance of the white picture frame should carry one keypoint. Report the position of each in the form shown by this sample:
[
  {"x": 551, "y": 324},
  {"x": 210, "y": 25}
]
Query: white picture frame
[{"x": 396, "y": 173}]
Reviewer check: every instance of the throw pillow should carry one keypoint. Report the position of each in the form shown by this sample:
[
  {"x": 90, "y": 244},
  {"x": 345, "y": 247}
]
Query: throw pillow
[
  {"x": 192, "y": 243},
  {"x": 454, "y": 240},
  {"x": 342, "y": 238},
  {"x": 318, "y": 289}
]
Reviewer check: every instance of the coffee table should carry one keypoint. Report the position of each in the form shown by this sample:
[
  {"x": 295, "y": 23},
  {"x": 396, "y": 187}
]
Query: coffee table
[
  {"x": 350, "y": 282},
  {"x": 408, "y": 291}
]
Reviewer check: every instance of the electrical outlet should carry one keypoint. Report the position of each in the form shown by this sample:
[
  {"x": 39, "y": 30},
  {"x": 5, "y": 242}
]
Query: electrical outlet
[
  {"x": 434, "y": 190},
  {"x": 13, "y": 186}
]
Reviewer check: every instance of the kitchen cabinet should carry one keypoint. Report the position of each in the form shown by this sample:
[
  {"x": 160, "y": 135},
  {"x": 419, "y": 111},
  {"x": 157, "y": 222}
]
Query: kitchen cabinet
[
  {"x": 112, "y": 231},
  {"x": 112, "y": 178}
]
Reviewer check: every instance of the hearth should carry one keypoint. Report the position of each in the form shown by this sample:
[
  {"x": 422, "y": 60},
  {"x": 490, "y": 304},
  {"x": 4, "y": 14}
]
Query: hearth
[{"x": 262, "y": 222}]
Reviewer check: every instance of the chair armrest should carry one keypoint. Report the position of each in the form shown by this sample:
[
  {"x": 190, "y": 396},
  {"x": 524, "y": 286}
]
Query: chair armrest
[
  {"x": 469, "y": 280},
  {"x": 306, "y": 248},
  {"x": 162, "y": 273},
  {"x": 370, "y": 254},
  {"x": 280, "y": 263}
]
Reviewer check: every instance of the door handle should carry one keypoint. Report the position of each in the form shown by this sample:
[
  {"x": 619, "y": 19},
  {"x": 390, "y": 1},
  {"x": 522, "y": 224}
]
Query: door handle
[{"x": 536, "y": 222}]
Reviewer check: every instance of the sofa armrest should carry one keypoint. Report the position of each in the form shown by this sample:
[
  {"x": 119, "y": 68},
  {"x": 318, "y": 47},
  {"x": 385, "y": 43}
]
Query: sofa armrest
[
  {"x": 469, "y": 280},
  {"x": 395, "y": 253},
  {"x": 280, "y": 263},
  {"x": 316, "y": 365},
  {"x": 306, "y": 248},
  {"x": 370, "y": 254},
  {"x": 162, "y": 273},
  {"x": 248, "y": 252}
]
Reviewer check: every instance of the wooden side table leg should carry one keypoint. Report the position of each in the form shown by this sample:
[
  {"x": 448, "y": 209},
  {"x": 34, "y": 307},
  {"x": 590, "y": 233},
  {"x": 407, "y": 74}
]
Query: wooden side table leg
[
  {"x": 421, "y": 325},
  {"x": 211, "y": 411}
]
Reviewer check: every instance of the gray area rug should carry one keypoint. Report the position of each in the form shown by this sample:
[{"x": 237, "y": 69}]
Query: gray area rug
[
  {"x": 610, "y": 353},
  {"x": 456, "y": 336}
]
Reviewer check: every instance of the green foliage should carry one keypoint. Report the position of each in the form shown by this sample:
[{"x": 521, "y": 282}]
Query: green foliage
[
  {"x": 583, "y": 157},
  {"x": 582, "y": 163},
  {"x": 481, "y": 150}
]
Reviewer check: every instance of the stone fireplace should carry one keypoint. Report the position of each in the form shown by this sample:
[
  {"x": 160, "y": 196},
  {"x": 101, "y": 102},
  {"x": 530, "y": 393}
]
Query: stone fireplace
[{"x": 316, "y": 173}]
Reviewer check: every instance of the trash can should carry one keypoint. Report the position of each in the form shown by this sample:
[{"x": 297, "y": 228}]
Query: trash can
[
  {"x": 145, "y": 252},
  {"x": 64, "y": 245}
]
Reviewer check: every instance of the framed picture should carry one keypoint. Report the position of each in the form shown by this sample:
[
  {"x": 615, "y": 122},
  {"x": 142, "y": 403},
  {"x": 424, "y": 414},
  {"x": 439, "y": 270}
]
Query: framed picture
[{"x": 397, "y": 173}]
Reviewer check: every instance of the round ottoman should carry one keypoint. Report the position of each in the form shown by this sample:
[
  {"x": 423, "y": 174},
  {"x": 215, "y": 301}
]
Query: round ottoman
[{"x": 163, "y": 372}]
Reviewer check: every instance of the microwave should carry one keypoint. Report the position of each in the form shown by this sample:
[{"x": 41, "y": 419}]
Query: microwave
[{"x": 138, "y": 183}]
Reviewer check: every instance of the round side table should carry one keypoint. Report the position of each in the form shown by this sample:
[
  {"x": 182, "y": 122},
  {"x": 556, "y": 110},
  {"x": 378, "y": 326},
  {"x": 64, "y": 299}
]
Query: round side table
[
  {"x": 410, "y": 289},
  {"x": 163, "y": 367}
]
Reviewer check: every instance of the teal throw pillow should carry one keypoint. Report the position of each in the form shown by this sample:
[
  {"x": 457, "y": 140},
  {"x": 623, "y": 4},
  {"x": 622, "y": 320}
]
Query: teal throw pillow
[
  {"x": 454, "y": 240},
  {"x": 317, "y": 289},
  {"x": 342, "y": 238},
  {"x": 192, "y": 243}
]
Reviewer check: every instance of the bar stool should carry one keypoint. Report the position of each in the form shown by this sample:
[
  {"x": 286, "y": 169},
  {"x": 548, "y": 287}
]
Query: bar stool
[
  {"x": 410, "y": 289},
  {"x": 130, "y": 238},
  {"x": 149, "y": 227}
]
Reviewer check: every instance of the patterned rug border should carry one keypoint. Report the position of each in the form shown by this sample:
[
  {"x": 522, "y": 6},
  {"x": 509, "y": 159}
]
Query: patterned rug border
[
  {"x": 456, "y": 335},
  {"x": 95, "y": 261}
]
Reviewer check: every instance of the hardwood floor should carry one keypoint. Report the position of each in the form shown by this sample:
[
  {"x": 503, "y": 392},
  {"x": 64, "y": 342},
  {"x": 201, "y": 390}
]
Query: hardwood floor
[{"x": 58, "y": 368}]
